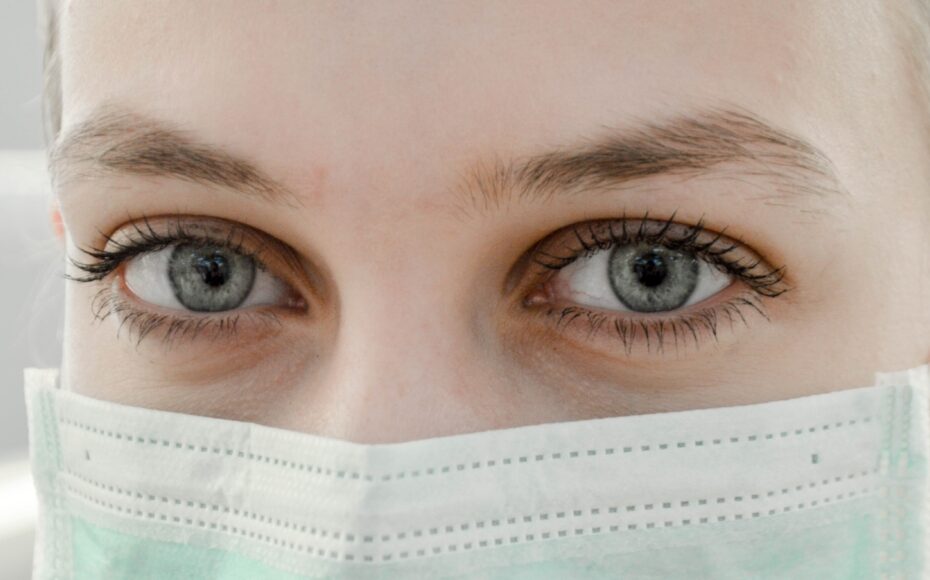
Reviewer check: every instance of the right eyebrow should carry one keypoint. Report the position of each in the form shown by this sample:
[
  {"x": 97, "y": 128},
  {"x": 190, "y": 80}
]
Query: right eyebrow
[
  {"x": 687, "y": 145},
  {"x": 113, "y": 140}
]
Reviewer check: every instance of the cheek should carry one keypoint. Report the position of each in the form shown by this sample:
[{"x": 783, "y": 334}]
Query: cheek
[
  {"x": 90, "y": 362},
  {"x": 886, "y": 283}
]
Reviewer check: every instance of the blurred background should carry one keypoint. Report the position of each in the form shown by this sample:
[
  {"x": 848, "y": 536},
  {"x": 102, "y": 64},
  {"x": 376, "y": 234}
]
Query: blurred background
[{"x": 31, "y": 284}]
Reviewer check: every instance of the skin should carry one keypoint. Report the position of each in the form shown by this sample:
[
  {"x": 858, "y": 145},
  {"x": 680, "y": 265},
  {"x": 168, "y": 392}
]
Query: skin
[{"x": 370, "y": 113}]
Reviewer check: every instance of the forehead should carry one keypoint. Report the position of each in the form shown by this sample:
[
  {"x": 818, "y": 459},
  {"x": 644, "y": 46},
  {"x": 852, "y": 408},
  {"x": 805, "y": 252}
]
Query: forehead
[{"x": 407, "y": 90}]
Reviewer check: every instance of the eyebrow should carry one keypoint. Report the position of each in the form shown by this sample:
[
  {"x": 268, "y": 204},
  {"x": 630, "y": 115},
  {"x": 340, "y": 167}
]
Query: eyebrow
[
  {"x": 117, "y": 141},
  {"x": 784, "y": 168}
]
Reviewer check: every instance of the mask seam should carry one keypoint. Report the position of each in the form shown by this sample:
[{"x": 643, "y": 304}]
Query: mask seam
[
  {"x": 194, "y": 507},
  {"x": 895, "y": 464},
  {"x": 925, "y": 500},
  {"x": 58, "y": 529},
  {"x": 887, "y": 465},
  {"x": 413, "y": 473}
]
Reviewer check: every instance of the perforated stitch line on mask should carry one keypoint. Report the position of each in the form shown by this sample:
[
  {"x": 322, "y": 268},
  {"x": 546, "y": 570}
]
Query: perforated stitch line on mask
[
  {"x": 454, "y": 468},
  {"x": 200, "y": 513}
]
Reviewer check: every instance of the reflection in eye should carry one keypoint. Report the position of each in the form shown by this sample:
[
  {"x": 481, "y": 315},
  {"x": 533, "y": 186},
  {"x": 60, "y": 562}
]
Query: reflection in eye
[
  {"x": 647, "y": 280},
  {"x": 202, "y": 278}
]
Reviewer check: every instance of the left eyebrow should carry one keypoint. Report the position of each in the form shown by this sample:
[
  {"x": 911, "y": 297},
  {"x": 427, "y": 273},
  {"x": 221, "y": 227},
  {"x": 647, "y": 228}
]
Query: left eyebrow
[
  {"x": 686, "y": 145},
  {"x": 114, "y": 140}
]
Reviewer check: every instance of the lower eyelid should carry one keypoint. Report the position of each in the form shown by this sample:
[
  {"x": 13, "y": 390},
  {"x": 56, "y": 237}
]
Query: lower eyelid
[
  {"x": 140, "y": 321},
  {"x": 688, "y": 327}
]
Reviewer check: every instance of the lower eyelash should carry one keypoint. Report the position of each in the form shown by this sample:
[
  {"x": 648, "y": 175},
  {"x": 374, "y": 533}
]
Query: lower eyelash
[
  {"x": 655, "y": 333},
  {"x": 141, "y": 323}
]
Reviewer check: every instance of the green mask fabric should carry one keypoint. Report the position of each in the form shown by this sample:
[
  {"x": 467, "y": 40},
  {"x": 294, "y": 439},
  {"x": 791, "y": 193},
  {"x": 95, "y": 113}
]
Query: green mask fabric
[{"x": 825, "y": 486}]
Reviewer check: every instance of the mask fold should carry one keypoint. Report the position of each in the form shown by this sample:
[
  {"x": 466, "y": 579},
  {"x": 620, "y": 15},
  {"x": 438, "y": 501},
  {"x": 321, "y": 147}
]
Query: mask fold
[{"x": 833, "y": 485}]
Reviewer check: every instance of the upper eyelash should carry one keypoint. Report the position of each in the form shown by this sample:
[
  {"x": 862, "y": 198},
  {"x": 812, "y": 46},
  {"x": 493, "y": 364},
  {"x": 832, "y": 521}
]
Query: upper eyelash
[
  {"x": 144, "y": 239},
  {"x": 769, "y": 282}
]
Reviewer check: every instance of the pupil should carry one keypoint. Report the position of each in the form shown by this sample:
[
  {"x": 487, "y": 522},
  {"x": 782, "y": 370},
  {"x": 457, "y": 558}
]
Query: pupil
[
  {"x": 650, "y": 269},
  {"x": 209, "y": 277},
  {"x": 213, "y": 270}
]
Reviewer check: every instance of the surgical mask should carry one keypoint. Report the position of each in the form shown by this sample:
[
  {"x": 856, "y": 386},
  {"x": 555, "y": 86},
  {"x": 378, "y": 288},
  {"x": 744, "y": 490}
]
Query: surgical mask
[{"x": 825, "y": 486}]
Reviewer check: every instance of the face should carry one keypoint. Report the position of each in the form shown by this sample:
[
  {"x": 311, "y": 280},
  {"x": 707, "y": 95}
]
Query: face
[{"x": 390, "y": 221}]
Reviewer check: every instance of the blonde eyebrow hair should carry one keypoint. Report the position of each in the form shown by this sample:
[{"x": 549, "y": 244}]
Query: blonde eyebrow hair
[
  {"x": 684, "y": 145},
  {"x": 113, "y": 140}
]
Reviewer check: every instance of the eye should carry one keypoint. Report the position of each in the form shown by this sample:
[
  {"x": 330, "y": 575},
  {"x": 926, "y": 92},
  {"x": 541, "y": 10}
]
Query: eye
[
  {"x": 640, "y": 277},
  {"x": 643, "y": 280},
  {"x": 179, "y": 277},
  {"x": 202, "y": 277}
]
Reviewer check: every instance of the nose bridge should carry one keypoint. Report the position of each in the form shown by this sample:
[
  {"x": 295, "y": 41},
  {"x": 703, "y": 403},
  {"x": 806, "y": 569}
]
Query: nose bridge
[
  {"x": 397, "y": 366},
  {"x": 403, "y": 348},
  {"x": 401, "y": 326},
  {"x": 396, "y": 282}
]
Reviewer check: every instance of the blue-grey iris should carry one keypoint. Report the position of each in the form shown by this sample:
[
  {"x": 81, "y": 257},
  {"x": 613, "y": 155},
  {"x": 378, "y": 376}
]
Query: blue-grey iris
[
  {"x": 650, "y": 278},
  {"x": 210, "y": 278}
]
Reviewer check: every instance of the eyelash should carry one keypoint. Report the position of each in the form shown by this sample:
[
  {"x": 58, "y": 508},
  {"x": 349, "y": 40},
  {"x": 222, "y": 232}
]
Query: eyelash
[
  {"x": 590, "y": 237},
  {"x": 143, "y": 239}
]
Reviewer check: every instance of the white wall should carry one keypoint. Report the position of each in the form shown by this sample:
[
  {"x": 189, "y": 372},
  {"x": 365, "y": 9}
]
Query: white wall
[
  {"x": 31, "y": 307},
  {"x": 20, "y": 76},
  {"x": 30, "y": 273}
]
